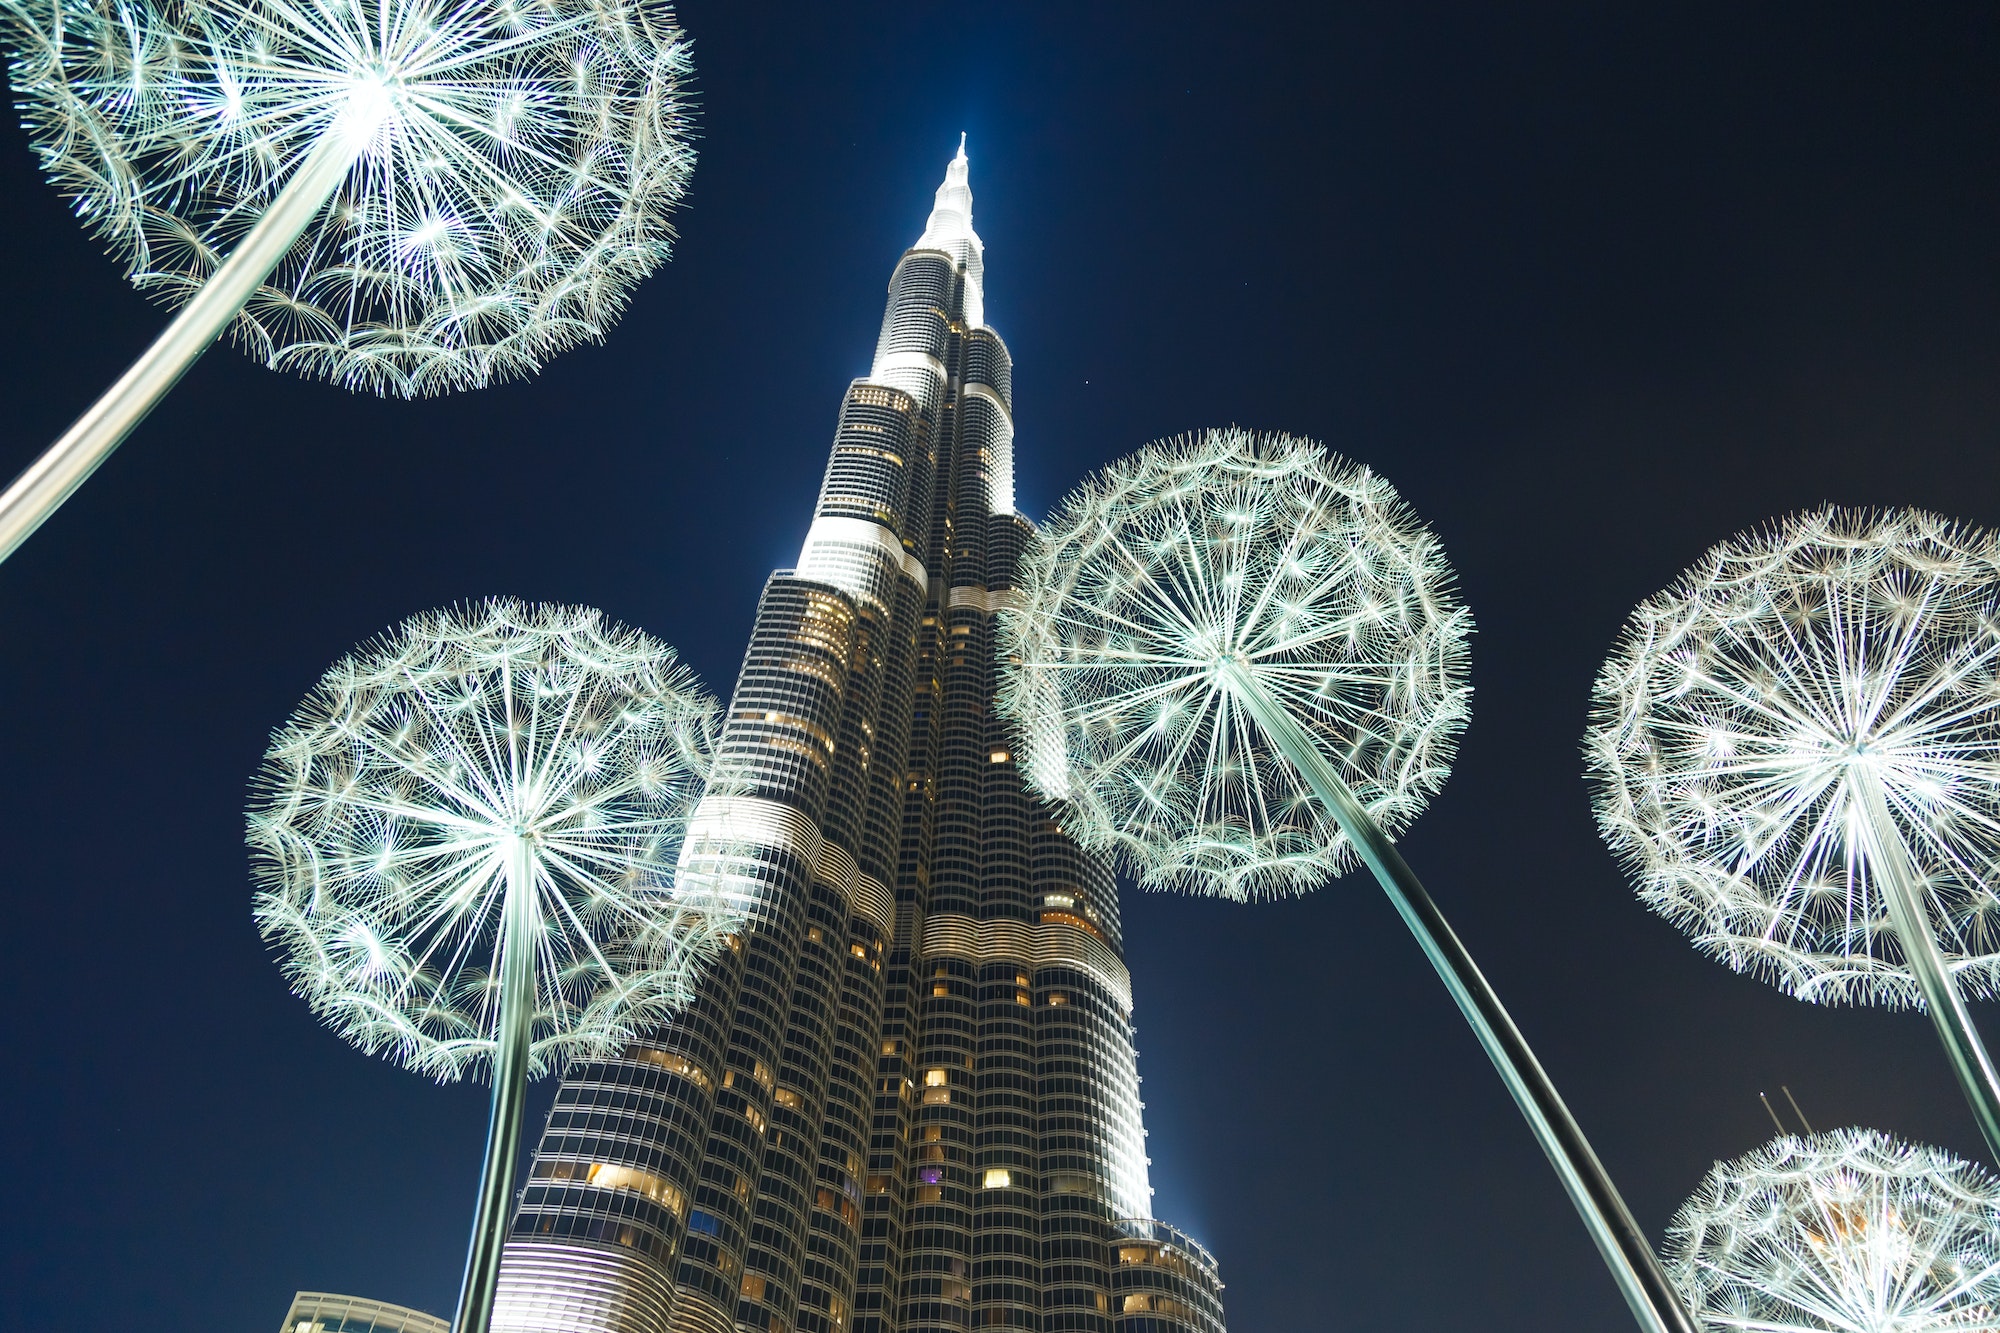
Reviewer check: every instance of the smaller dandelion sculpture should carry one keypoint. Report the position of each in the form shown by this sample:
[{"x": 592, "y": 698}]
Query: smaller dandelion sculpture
[
  {"x": 1238, "y": 661},
  {"x": 402, "y": 196},
  {"x": 1796, "y": 752},
  {"x": 1851, "y": 1231},
  {"x": 466, "y": 840}
]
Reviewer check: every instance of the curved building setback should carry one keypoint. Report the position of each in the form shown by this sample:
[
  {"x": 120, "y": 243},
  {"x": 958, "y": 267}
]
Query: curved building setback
[{"x": 907, "y": 1099}]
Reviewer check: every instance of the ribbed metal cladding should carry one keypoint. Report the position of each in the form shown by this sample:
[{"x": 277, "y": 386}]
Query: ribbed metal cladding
[
  {"x": 548, "y": 1287},
  {"x": 907, "y": 1098}
]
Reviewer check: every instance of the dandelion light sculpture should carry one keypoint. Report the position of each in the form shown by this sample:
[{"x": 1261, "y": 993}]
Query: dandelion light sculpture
[
  {"x": 1795, "y": 750},
  {"x": 466, "y": 841},
  {"x": 1238, "y": 663},
  {"x": 402, "y": 196},
  {"x": 1851, "y": 1231}
]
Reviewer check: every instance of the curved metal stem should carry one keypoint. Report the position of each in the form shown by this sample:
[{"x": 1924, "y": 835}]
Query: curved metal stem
[
  {"x": 510, "y": 1094},
  {"x": 68, "y": 463},
  {"x": 1912, "y": 922},
  {"x": 1634, "y": 1267}
]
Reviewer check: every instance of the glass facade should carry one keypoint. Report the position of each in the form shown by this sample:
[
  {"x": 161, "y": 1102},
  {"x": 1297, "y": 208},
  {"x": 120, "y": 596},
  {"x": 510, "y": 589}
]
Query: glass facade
[
  {"x": 907, "y": 1099},
  {"x": 324, "y": 1312}
]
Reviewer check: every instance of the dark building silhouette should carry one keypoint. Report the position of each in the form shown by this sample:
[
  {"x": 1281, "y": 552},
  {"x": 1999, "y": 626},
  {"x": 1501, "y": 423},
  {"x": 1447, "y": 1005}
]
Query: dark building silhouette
[{"x": 906, "y": 1100}]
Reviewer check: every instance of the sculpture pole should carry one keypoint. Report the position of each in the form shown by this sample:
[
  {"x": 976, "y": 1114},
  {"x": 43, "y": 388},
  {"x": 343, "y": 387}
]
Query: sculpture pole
[
  {"x": 1912, "y": 923},
  {"x": 510, "y": 1094},
  {"x": 68, "y": 463},
  {"x": 1628, "y": 1255}
]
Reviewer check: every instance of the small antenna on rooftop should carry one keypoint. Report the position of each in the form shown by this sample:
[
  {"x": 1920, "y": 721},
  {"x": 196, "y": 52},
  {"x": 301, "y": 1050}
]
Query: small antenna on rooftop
[{"x": 1773, "y": 1114}]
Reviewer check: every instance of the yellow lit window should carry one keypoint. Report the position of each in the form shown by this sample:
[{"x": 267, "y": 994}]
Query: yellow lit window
[
  {"x": 1057, "y": 997},
  {"x": 998, "y": 757},
  {"x": 675, "y": 1064},
  {"x": 1022, "y": 997},
  {"x": 813, "y": 933},
  {"x": 607, "y": 1176},
  {"x": 934, "y": 1078},
  {"x": 930, "y": 1193},
  {"x": 753, "y": 1287},
  {"x": 1020, "y": 978},
  {"x": 937, "y": 1096},
  {"x": 998, "y": 1178},
  {"x": 858, "y": 950},
  {"x": 878, "y": 1184},
  {"x": 940, "y": 988},
  {"x": 932, "y": 1133},
  {"x": 787, "y": 1097},
  {"x": 888, "y": 1048}
]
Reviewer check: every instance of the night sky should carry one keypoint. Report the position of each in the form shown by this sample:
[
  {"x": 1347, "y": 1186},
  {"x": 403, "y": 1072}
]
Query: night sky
[{"x": 1593, "y": 289}]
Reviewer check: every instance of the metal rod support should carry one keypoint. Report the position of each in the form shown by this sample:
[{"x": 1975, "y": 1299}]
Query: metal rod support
[
  {"x": 510, "y": 1093},
  {"x": 1634, "y": 1267},
  {"x": 68, "y": 463},
  {"x": 1898, "y": 880}
]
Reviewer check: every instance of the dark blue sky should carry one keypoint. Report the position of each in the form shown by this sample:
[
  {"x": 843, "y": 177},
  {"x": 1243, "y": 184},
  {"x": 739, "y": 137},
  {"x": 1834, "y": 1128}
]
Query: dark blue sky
[{"x": 1594, "y": 289}]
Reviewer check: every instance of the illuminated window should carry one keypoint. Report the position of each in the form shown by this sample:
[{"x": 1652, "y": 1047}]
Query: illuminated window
[
  {"x": 753, "y": 1287},
  {"x": 1022, "y": 997},
  {"x": 755, "y": 1117},
  {"x": 787, "y": 1097},
  {"x": 930, "y": 1194},
  {"x": 934, "y": 1078},
  {"x": 998, "y": 757},
  {"x": 888, "y": 1048},
  {"x": 676, "y": 1064},
  {"x": 878, "y": 1184},
  {"x": 1058, "y": 900},
  {"x": 858, "y": 950},
  {"x": 813, "y": 933},
  {"x": 1057, "y": 997},
  {"x": 998, "y": 1178},
  {"x": 940, "y": 988},
  {"x": 608, "y": 1176},
  {"x": 937, "y": 1096},
  {"x": 932, "y": 1133}
]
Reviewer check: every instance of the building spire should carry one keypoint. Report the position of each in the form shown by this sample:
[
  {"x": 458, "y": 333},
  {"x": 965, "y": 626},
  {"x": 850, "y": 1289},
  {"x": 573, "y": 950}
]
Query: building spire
[{"x": 949, "y": 229}]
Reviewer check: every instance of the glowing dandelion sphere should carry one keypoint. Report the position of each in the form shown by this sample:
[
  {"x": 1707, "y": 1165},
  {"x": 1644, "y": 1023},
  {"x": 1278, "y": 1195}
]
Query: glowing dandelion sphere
[
  {"x": 1744, "y": 705},
  {"x": 1852, "y": 1231},
  {"x": 1267, "y": 552},
  {"x": 386, "y": 807},
  {"x": 521, "y": 157}
]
